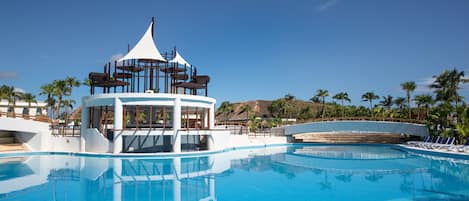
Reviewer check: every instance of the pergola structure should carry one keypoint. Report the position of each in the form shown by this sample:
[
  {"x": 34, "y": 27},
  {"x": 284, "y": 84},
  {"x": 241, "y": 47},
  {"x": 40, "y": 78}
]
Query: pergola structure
[
  {"x": 148, "y": 99},
  {"x": 144, "y": 69}
]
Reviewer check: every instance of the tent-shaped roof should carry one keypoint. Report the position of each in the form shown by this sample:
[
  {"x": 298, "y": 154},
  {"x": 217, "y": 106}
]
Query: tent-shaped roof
[
  {"x": 145, "y": 48},
  {"x": 178, "y": 59}
]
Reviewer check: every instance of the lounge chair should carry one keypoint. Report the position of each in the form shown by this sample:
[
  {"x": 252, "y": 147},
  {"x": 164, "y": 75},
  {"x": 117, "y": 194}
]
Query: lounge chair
[
  {"x": 441, "y": 141},
  {"x": 449, "y": 142},
  {"x": 425, "y": 139},
  {"x": 426, "y": 144},
  {"x": 460, "y": 148},
  {"x": 429, "y": 140},
  {"x": 465, "y": 147}
]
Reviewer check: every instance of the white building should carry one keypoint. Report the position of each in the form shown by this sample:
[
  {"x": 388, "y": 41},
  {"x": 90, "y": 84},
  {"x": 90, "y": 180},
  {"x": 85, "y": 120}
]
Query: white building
[{"x": 23, "y": 109}]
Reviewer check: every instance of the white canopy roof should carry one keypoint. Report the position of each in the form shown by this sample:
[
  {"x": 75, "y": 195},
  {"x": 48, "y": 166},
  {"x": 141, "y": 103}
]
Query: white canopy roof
[
  {"x": 145, "y": 48},
  {"x": 178, "y": 59}
]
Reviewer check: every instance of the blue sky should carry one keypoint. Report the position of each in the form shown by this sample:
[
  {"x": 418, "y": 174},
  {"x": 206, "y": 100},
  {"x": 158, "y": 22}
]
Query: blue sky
[{"x": 259, "y": 49}]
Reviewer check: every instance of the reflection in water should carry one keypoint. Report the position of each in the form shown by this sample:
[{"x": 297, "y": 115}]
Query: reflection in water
[{"x": 276, "y": 173}]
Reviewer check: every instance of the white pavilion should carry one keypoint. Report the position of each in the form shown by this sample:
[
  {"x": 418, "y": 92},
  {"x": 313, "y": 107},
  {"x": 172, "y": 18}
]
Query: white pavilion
[{"x": 150, "y": 102}]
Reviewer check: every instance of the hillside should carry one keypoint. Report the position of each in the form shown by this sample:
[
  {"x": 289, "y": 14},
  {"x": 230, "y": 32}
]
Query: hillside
[{"x": 261, "y": 109}]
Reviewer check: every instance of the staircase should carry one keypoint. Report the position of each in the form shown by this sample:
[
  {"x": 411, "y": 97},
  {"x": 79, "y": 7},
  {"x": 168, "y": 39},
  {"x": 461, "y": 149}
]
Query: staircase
[
  {"x": 8, "y": 142},
  {"x": 346, "y": 138}
]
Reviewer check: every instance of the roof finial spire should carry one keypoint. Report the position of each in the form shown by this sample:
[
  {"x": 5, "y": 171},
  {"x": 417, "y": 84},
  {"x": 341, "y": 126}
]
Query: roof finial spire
[{"x": 153, "y": 25}]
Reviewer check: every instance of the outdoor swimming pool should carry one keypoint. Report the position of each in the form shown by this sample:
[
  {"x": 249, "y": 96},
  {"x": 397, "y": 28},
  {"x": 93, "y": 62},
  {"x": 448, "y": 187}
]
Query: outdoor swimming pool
[{"x": 289, "y": 172}]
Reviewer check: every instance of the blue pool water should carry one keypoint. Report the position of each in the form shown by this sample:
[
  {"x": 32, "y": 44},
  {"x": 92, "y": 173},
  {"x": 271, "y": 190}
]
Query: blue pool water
[{"x": 290, "y": 172}]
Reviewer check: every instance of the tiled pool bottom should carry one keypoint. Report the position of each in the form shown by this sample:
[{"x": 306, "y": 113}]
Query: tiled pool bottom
[{"x": 290, "y": 172}]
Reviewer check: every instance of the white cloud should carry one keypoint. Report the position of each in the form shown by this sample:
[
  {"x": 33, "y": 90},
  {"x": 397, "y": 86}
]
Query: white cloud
[
  {"x": 423, "y": 85},
  {"x": 327, "y": 4},
  {"x": 8, "y": 75}
]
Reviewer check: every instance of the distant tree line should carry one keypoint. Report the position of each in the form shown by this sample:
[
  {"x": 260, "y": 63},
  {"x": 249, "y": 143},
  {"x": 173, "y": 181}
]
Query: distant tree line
[{"x": 443, "y": 110}]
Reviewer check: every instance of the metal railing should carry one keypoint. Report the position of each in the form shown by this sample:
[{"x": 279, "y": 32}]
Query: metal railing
[
  {"x": 41, "y": 118},
  {"x": 73, "y": 131},
  {"x": 401, "y": 120}
]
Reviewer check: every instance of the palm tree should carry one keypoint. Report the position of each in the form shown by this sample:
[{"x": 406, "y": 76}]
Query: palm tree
[
  {"x": 288, "y": 104},
  {"x": 29, "y": 98},
  {"x": 408, "y": 87},
  {"x": 11, "y": 96},
  {"x": 400, "y": 102},
  {"x": 71, "y": 82},
  {"x": 370, "y": 96},
  {"x": 446, "y": 86},
  {"x": 246, "y": 108},
  {"x": 87, "y": 82},
  {"x": 48, "y": 90},
  {"x": 387, "y": 102},
  {"x": 225, "y": 107},
  {"x": 322, "y": 94},
  {"x": 60, "y": 89},
  {"x": 427, "y": 101},
  {"x": 68, "y": 105},
  {"x": 342, "y": 96}
]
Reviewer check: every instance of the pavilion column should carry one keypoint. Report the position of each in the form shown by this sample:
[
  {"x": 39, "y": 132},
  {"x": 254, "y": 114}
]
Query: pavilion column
[
  {"x": 206, "y": 123},
  {"x": 212, "y": 116},
  {"x": 85, "y": 121},
  {"x": 118, "y": 125},
  {"x": 177, "y": 125}
]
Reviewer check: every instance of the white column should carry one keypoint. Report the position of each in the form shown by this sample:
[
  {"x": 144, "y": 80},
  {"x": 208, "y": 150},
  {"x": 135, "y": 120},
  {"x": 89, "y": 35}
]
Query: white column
[
  {"x": 84, "y": 125},
  {"x": 206, "y": 112},
  {"x": 212, "y": 116},
  {"x": 118, "y": 125},
  {"x": 177, "y": 125},
  {"x": 176, "y": 182}
]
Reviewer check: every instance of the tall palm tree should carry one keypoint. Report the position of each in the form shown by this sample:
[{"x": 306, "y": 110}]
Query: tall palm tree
[
  {"x": 400, "y": 102},
  {"x": 408, "y": 87},
  {"x": 11, "y": 96},
  {"x": 68, "y": 105},
  {"x": 322, "y": 94},
  {"x": 87, "y": 82},
  {"x": 419, "y": 102},
  {"x": 427, "y": 101},
  {"x": 369, "y": 97},
  {"x": 60, "y": 89},
  {"x": 29, "y": 98},
  {"x": 387, "y": 102},
  {"x": 342, "y": 96},
  {"x": 288, "y": 104},
  {"x": 71, "y": 82},
  {"x": 48, "y": 90},
  {"x": 246, "y": 108},
  {"x": 225, "y": 108},
  {"x": 446, "y": 87}
]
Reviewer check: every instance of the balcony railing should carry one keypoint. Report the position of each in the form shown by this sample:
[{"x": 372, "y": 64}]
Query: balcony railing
[{"x": 66, "y": 131}]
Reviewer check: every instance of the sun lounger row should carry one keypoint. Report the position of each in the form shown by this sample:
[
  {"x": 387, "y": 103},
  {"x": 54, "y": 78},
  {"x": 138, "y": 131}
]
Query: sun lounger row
[{"x": 440, "y": 143}]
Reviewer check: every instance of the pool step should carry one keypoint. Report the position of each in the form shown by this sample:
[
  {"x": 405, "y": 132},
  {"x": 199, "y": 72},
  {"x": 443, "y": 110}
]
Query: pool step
[
  {"x": 12, "y": 147},
  {"x": 343, "y": 138}
]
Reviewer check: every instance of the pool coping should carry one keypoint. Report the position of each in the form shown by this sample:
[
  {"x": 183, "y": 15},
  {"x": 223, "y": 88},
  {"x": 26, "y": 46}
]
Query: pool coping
[{"x": 458, "y": 155}]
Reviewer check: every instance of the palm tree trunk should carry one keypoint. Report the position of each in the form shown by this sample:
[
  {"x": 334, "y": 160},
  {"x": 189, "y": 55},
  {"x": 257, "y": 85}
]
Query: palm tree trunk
[
  {"x": 343, "y": 108},
  {"x": 59, "y": 100},
  {"x": 418, "y": 112},
  {"x": 408, "y": 103},
  {"x": 371, "y": 108},
  {"x": 323, "y": 107}
]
